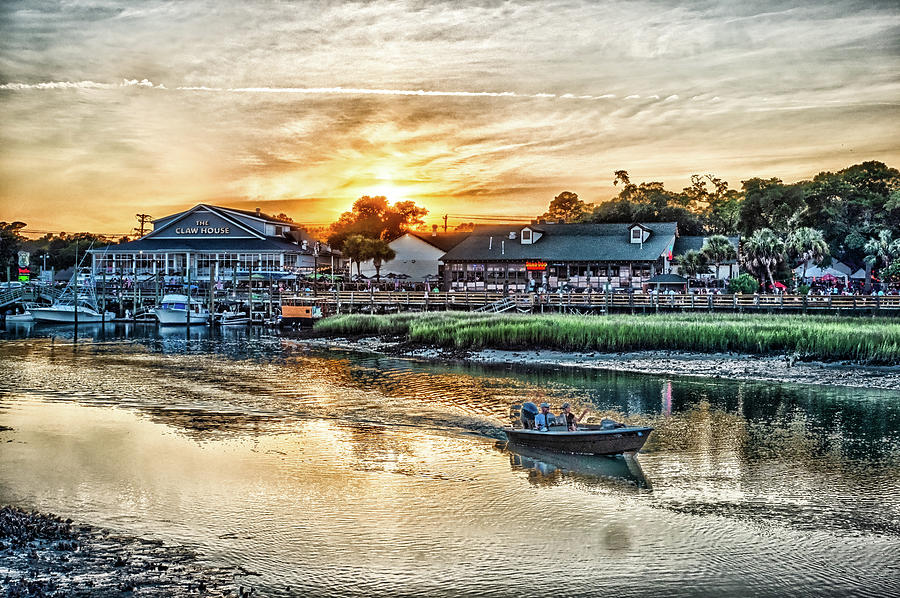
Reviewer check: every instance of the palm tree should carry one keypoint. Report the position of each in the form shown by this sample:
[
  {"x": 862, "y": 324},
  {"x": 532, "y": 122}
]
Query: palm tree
[
  {"x": 718, "y": 249},
  {"x": 764, "y": 249},
  {"x": 809, "y": 245},
  {"x": 355, "y": 248},
  {"x": 881, "y": 247},
  {"x": 690, "y": 264},
  {"x": 379, "y": 252}
]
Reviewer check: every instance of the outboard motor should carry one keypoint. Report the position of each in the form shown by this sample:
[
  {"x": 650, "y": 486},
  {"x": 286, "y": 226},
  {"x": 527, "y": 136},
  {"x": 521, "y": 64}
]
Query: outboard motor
[{"x": 529, "y": 411}]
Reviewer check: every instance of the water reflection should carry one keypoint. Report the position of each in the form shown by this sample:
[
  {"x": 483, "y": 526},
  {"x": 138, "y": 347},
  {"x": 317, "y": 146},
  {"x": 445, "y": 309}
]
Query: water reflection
[
  {"x": 549, "y": 468},
  {"x": 339, "y": 462}
]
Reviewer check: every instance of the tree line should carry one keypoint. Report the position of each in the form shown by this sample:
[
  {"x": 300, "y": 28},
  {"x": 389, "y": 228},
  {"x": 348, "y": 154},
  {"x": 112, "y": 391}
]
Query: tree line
[{"x": 852, "y": 215}]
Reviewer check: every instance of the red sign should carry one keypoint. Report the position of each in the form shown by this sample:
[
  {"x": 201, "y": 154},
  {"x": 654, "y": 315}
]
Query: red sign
[{"x": 535, "y": 265}]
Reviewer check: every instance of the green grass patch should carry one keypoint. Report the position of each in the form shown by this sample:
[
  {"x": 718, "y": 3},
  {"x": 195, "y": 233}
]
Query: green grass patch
[{"x": 863, "y": 340}]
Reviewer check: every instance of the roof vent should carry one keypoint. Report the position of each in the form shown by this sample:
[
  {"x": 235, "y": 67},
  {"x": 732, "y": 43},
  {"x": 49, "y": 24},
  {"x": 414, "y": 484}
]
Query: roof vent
[
  {"x": 512, "y": 234},
  {"x": 258, "y": 211}
]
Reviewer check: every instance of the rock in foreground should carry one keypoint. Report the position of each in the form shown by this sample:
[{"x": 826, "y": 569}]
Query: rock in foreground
[{"x": 43, "y": 555}]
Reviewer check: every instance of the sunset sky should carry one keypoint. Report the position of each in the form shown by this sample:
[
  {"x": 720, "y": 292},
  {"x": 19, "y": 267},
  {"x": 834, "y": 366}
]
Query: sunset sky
[{"x": 492, "y": 108}]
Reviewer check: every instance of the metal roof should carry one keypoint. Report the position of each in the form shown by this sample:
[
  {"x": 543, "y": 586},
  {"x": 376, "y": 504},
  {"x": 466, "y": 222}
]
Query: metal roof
[
  {"x": 443, "y": 241},
  {"x": 667, "y": 279},
  {"x": 212, "y": 245},
  {"x": 565, "y": 242}
]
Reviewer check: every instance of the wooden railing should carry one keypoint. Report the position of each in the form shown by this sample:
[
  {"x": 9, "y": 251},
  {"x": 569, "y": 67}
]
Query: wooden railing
[{"x": 418, "y": 301}]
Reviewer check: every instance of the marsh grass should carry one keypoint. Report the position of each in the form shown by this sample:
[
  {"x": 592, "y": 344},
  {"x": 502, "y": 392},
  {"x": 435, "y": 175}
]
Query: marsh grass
[{"x": 863, "y": 340}]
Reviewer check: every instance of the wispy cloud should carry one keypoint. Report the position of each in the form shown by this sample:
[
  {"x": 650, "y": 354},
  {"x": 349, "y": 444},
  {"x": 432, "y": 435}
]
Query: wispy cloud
[{"x": 112, "y": 107}]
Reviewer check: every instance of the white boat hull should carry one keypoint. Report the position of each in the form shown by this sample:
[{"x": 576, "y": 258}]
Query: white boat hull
[
  {"x": 179, "y": 316},
  {"x": 27, "y": 317},
  {"x": 65, "y": 314}
]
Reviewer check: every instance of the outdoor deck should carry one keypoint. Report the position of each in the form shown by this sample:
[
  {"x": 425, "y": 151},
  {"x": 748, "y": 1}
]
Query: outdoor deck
[{"x": 394, "y": 301}]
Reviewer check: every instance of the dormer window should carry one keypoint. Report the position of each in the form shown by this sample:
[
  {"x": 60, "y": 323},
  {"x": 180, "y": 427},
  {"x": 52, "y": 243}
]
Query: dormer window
[
  {"x": 639, "y": 233},
  {"x": 526, "y": 236}
]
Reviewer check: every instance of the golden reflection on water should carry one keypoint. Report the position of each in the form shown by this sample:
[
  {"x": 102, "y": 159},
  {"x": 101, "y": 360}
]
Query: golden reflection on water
[{"x": 317, "y": 468}]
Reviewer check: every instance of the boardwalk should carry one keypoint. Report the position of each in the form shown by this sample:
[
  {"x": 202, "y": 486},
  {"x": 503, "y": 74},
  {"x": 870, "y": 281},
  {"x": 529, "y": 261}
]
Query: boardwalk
[{"x": 392, "y": 301}]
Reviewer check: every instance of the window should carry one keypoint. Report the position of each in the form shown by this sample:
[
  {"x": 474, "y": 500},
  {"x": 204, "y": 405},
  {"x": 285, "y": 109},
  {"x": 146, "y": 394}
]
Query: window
[
  {"x": 636, "y": 233},
  {"x": 526, "y": 235}
]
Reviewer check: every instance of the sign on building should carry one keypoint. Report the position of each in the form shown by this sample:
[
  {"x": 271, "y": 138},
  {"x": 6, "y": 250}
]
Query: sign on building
[{"x": 24, "y": 259}]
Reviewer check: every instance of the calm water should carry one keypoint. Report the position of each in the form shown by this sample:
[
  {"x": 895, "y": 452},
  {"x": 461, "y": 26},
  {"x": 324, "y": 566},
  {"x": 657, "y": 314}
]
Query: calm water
[{"x": 331, "y": 474}]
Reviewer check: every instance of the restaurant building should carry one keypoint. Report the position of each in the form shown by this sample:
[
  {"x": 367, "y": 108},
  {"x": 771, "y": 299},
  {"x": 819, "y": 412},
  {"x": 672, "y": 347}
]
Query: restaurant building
[
  {"x": 417, "y": 256},
  {"x": 213, "y": 243},
  {"x": 573, "y": 256}
]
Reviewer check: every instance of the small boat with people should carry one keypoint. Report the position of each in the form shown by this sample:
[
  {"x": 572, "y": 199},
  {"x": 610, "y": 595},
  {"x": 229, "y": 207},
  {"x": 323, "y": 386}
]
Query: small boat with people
[
  {"x": 543, "y": 430},
  {"x": 174, "y": 310}
]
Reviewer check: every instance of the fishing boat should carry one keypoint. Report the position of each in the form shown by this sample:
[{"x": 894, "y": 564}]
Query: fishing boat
[
  {"x": 174, "y": 310},
  {"x": 25, "y": 317},
  {"x": 77, "y": 302},
  {"x": 233, "y": 318},
  {"x": 606, "y": 438}
]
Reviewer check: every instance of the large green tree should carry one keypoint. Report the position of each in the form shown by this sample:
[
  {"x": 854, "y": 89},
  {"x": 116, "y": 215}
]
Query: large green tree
[
  {"x": 375, "y": 218},
  {"x": 566, "y": 206},
  {"x": 853, "y": 205},
  {"x": 648, "y": 202},
  {"x": 763, "y": 251},
  {"x": 769, "y": 203},
  {"x": 10, "y": 241}
]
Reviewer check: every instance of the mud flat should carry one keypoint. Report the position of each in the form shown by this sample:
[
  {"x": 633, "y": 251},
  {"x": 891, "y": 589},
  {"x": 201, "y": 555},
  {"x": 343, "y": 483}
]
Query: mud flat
[
  {"x": 43, "y": 555},
  {"x": 735, "y": 366}
]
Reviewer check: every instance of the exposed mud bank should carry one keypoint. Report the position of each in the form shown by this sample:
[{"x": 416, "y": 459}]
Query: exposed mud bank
[
  {"x": 43, "y": 555},
  {"x": 779, "y": 369}
]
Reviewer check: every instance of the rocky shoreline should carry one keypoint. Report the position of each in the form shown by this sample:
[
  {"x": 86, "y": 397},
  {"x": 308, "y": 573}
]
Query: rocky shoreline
[
  {"x": 733, "y": 366},
  {"x": 44, "y": 555}
]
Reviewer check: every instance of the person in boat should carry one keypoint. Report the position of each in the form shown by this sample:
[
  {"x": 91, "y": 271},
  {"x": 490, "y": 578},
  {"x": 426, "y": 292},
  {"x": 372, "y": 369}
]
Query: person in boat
[
  {"x": 544, "y": 419},
  {"x": 571, "y": 421}
]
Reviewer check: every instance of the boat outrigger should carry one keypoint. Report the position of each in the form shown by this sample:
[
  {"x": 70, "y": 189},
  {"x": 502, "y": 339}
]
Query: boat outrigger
[{"x": 606, "y": 438}]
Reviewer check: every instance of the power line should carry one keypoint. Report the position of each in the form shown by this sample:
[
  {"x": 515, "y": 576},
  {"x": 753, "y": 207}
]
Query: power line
[{"x": 142, "y": 219}]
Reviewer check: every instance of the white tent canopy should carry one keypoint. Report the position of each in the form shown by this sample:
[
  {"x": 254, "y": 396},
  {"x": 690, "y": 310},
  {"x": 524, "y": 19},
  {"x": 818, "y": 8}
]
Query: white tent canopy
[{"x": 836, "y": 269}]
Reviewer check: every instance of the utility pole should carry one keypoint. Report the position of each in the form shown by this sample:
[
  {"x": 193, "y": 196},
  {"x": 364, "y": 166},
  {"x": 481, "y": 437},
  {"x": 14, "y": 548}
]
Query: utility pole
[
  {"x": 445, "y": 223},
  {"x": 142, "y": 219}
]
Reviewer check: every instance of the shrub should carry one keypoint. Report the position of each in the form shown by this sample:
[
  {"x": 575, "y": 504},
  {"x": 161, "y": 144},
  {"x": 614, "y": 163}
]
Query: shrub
[{"x": 743, "y": 284}]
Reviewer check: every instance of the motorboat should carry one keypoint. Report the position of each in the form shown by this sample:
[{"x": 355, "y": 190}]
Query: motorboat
[
  {"x": 606, "y": 438},
  {"x": 174, "y": 310},
  {"x": 66, "y": 314},
  {"x": 233, "y": 318},
  {"x": 24, "y": 317},
  {"x": 77, "y": 302}
]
